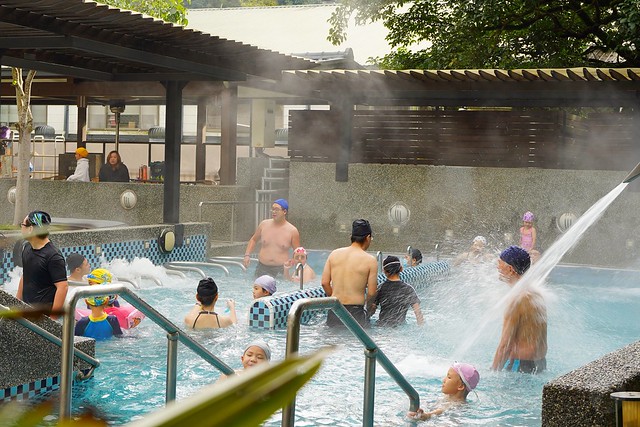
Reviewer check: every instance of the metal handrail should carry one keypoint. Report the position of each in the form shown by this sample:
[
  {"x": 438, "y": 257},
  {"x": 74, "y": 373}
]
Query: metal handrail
[
  {"x": 196, "y": 263},
  {"x": 233, "y": 204},
  {"x": 174, "y": 334},
  {"x": 180, "y": 274},
  {"x": 52, "y": 338},
  {"x": 379, "y": 259},
  {"x": 170, "y": 266},
  {"x": 300, "y": 272},
  {"x": 153, "y": 279},
  {"x": 227, "y": 261},
  {"x": 437, "y": 252},
  {"x": 372, "y": 353}
]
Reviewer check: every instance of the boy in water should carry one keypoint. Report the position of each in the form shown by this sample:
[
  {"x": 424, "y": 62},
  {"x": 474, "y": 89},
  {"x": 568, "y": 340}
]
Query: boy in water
[
  {"x": 98, "y": 325},
  {"x": 461, "y": 378},
  {"x": 264, "y": 286},
  {"x": 395, "y": 296}
]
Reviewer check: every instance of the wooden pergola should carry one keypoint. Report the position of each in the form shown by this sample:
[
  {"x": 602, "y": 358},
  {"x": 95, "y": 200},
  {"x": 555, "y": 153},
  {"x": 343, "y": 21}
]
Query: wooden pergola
[{"x": 93, "y": 53}]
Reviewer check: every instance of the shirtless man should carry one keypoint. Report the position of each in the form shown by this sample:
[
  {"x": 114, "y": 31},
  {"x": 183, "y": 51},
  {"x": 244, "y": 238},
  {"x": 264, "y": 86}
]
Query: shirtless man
[
  {"x": 276, "y": 237},
  {"x": 523, "y": 344},
  {"x": 350, "y": 274}
]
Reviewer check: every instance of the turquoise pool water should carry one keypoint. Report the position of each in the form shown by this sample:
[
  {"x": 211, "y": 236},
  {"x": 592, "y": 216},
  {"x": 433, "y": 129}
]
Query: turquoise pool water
[{"x": 591, "y": 312}]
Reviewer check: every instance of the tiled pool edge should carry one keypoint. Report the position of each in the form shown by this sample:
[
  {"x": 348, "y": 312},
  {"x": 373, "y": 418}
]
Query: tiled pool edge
[{"x": 582, "y": 396}]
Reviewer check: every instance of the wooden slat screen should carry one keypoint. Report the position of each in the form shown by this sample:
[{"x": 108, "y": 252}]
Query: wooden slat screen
[{"x": 544, "y": 138}]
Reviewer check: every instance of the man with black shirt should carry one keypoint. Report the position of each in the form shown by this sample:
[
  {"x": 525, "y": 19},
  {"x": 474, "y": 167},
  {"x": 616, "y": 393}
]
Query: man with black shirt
[{"x": 44, "y": 275}]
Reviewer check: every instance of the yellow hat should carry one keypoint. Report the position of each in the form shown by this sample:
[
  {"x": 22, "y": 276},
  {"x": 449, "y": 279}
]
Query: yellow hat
[{"x": 82, "y": 152}]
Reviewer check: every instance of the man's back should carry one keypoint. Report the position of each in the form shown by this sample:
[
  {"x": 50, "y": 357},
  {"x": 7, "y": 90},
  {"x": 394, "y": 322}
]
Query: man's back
[{"x": 350, "y": 271}]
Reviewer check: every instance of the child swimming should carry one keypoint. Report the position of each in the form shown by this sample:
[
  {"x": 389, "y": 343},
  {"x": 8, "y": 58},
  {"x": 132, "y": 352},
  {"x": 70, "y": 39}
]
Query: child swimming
[{"x": 461, "y": 378}]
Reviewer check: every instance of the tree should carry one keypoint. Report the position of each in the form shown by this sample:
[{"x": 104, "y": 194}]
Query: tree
[
  {"x": 169, "y": 10},
  {"x": 22, "y": 86},
  {"x": 500, "y": 34}
]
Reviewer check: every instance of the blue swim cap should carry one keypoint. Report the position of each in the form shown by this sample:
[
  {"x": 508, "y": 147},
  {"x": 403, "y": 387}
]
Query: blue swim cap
[
  {"x": 283, "y": 203},
  {"x": 517, "y": 258}
]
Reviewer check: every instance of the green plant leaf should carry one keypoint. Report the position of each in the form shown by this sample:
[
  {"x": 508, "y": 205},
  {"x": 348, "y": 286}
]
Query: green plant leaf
[{"x": 242, "y": 400}]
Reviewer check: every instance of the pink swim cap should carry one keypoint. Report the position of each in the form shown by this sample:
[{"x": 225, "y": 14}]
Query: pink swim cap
[
  {"x": 528, "y": 216},
  {"x": 468, "y": 374}
]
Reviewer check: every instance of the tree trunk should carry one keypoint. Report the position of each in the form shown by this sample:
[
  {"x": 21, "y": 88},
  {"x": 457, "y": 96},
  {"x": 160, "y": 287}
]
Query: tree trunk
[{"x": 25, "y": 126}]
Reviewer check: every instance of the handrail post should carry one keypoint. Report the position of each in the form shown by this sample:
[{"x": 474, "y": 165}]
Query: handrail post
[
  {"x": 300, "y": 273},
  {"x": 172, "y": 366},
  {"x": 292, "y": 347},
  {"x": 66, "y": 372},
  {"x": 369, "y": 386},
  {"x": 379, "y": 258}
]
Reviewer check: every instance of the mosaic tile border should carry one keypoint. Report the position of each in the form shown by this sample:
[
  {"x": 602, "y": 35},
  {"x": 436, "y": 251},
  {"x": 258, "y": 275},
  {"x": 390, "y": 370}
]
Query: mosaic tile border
[
  {"x": 196, "y": 250},
  {"x": 272, "y": 312}
]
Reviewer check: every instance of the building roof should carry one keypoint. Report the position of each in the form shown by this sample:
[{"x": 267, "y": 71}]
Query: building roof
[{"x": 290, "y": 29}]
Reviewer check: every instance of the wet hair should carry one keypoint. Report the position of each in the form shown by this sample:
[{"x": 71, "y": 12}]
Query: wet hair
[
  {"x": 417, "y": 255},
  {"x": 74, "y": 260},
  {"x": 358, "y": 239},
  {"x": 207, "y": 291},
  {"x": 391, "y": 265}
]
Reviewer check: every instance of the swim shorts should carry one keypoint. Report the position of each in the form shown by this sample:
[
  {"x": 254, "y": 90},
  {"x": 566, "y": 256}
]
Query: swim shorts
[
  {"x": 525, "y": 366},
  {"x": 270, "y": 270},
  {"x": 357, "y": 311}
]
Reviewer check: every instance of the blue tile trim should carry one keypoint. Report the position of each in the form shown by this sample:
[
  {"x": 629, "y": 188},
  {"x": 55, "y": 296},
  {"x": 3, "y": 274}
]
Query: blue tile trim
[
  {"x": 272, "y": 312},
  {"x": 195, "y": 251},
  {"x": 421, "y": 275}
]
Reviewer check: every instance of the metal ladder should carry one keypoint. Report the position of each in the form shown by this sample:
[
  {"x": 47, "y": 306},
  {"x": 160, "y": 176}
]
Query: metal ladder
[
  {"x": 372, "y": 354},
  {"x": 174, "y": 334}
]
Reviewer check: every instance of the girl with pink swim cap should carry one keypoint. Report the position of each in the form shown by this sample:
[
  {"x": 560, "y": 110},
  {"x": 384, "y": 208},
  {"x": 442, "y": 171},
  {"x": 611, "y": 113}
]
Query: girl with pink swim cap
[
  {"x": 461, "y": 378},
  {"x": 527, "y": 232}
]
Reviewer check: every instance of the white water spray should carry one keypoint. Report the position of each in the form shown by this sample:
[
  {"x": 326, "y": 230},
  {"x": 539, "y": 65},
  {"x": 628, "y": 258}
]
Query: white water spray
[{"x": 535, "y": 277}]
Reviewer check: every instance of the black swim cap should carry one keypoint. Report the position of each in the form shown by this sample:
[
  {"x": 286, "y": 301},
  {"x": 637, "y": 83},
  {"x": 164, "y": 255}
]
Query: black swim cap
[
  {"x": 361, "y": 227},
  {"x": 74, "y": 261},
  {"x": 207, "y": 288},
  {"x": 416, "y": 254}
]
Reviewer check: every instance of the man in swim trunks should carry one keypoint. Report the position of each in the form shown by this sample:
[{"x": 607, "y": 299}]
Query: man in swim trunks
[
  {"x": 202, "y": 315},
  {"x": 276, "y": 237},
  {"x": 350, "y": 274},
  {"x": 523, "y": 344}
]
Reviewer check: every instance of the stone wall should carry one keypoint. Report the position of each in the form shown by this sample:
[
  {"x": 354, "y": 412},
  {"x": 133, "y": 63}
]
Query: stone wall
[
  {"x": 30, "y": 364},
  {"x": 450, "y": 205},
  {"x": 583, "y": 396}
]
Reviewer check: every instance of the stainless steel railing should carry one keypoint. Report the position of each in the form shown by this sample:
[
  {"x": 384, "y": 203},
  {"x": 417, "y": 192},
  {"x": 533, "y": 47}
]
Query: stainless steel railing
[
  {"x": 53, "y": 339},
  {"x": 174, "y": 334},
  {"x": 372, "y": 353},
  {"x": 193, "y": 266}
]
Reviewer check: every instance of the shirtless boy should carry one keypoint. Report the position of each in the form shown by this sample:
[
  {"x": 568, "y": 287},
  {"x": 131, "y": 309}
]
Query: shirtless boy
[
  {"x": 350, "y": 274},
  {"x": 523, "y": 344},
  {"x": 276, "y": 236}
]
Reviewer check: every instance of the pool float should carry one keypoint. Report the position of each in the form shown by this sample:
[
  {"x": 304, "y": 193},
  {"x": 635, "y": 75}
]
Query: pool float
[{"x": 128, "y": 316}]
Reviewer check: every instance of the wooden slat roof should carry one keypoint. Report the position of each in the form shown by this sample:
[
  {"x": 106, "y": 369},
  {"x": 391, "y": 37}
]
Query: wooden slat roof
[
  {"x": 89, "y": 40},
  {"x": 489, "y": 87}
]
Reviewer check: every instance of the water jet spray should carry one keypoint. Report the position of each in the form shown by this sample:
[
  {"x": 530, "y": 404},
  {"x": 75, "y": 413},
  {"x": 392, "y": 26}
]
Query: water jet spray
[{"x": 633, "y": 174}]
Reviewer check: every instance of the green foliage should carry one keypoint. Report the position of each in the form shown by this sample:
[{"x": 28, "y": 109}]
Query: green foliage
[
  {"x": 167, "y": 10},
  {"x": 499, "y": 34},
  {"x": 247, "y": 3}
]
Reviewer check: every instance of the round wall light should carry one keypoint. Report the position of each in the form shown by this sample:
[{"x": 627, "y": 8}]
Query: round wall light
[
  {"x": 128, "y": 199},
  {"x": 11, "y": 195},
  {"x": 167, "y": 240},
  {"x": 398, "y": 214},
  {"x": 565, "y": 221}
]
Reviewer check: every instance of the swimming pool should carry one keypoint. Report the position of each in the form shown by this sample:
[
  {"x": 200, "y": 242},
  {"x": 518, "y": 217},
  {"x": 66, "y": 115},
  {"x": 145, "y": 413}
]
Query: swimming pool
[{"x": 591, "y": 312}]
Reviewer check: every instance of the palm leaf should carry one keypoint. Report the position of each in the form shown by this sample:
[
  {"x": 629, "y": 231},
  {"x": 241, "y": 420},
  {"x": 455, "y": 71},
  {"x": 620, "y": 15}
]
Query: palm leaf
[{"x": 242, "y": 400}]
